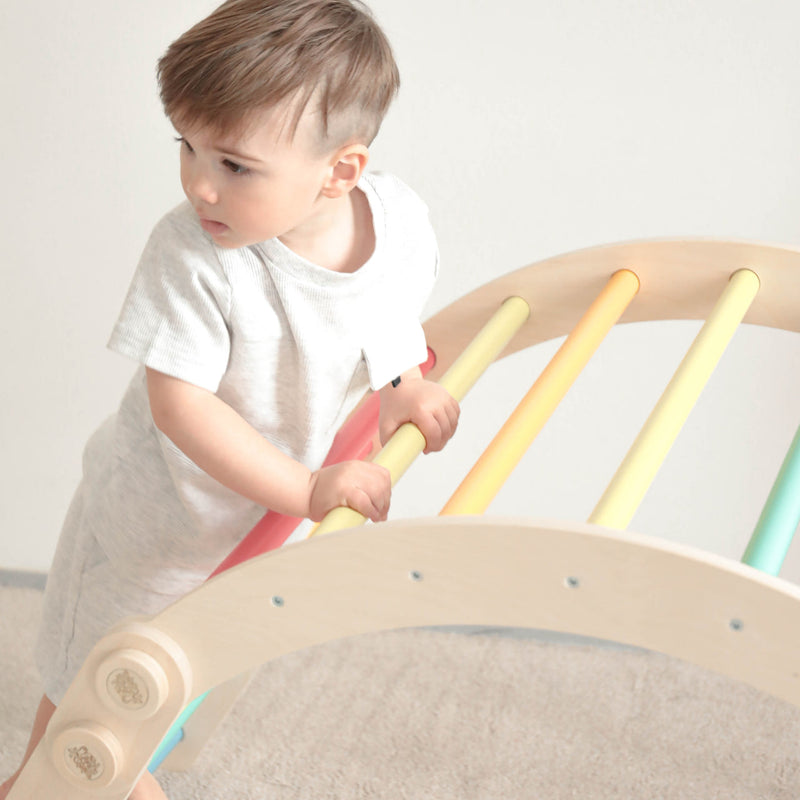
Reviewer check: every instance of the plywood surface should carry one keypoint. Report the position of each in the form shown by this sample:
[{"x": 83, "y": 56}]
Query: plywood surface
[{"x": 577, "y": 577}]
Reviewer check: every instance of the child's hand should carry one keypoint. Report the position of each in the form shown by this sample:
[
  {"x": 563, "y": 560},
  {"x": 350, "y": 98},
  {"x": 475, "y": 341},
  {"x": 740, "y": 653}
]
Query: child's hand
[
  {"x": 364, "y": 487},
  {"x": 430, "y": 407}
]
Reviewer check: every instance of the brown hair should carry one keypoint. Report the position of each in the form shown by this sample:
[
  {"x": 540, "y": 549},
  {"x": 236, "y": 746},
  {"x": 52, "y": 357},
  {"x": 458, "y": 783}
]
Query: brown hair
[{"x": 251, "y": 55}]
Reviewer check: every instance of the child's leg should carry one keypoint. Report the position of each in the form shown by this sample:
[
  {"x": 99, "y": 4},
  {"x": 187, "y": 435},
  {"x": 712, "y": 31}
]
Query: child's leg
[
  {"x": 43, "y": 714},
  {"x": 146, "y": 789}
]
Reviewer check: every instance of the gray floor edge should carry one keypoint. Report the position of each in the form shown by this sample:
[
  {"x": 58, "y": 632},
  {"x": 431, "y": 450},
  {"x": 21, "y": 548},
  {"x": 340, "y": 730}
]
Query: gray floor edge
[{"x": 21, "y": 579}]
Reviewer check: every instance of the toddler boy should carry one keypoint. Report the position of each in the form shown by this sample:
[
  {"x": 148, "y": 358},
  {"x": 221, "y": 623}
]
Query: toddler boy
[{"x": 263, "y": 307}]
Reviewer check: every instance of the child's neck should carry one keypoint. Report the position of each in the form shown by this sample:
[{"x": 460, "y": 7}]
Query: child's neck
[{"x": 340, "y": 238}]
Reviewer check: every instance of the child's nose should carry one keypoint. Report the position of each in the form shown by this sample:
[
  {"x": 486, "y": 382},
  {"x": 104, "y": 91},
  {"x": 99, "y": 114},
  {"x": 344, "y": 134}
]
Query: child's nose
[{"x": 202, "y": 187}]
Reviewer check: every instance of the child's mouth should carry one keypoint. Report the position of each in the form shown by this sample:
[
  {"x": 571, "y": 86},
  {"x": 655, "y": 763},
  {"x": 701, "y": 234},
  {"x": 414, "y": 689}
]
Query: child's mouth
[{"x": 213, "y": 227}]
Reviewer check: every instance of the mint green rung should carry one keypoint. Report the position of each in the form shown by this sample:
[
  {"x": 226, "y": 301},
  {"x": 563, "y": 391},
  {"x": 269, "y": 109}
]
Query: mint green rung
[
  {"x": 779, "y": 519},
  {"x": 174, "y": 737}
]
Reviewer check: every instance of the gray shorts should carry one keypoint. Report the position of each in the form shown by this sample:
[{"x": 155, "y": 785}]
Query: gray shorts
[{"x": 84, "y": 597}]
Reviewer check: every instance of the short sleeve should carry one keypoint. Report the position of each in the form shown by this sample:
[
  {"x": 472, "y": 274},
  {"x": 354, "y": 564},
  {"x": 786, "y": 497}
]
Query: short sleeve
[
  {"x": 395, "y": 340},
  {"x": 174, "y": 316},
  {"x": 398, "y": 347}
]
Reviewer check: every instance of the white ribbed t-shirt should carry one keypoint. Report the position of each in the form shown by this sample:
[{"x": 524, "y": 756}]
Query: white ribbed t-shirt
[{"x": 289, "y": 345}]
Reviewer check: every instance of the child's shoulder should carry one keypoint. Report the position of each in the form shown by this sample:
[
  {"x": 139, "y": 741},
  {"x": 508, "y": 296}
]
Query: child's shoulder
[
  {"x": 179, "y": 236},
  {"x": 181, "y": 226},
  {"x": 394, "y": 193},
  {"x": 406, "y": 224},
  {"x": 178, "y": 246}
]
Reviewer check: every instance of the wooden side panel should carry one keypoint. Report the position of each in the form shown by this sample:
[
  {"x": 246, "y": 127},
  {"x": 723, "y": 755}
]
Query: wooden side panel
[{"x": 679, "y": 280}]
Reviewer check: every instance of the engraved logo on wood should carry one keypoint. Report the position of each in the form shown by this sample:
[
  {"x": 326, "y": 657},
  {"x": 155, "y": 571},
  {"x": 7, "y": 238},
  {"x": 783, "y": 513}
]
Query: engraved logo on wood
[
  {"x": 84, "y": 762},
  {"x": 128, "y": 687}
]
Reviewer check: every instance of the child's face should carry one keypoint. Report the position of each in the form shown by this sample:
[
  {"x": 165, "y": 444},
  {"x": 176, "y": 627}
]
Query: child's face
[{"x": 263, "y": 184}]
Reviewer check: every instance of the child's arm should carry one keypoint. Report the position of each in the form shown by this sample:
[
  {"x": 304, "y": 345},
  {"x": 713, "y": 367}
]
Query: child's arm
[
  {"x": 230, "y": 450},
  {"x": 430, "y": 407}
]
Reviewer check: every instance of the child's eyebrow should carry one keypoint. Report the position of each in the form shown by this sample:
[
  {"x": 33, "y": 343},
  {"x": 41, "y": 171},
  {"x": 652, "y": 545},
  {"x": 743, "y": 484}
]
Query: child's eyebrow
[{"x": 230, "y": 151}]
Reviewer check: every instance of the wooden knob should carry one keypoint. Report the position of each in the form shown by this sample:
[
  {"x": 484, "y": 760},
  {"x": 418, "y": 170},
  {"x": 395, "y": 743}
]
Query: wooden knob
[
  {"x": 132, "y": 682},
  {"x": 88, "y": 755}
]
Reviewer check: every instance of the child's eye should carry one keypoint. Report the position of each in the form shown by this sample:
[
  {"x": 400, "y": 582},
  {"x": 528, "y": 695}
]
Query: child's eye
[
  {"x": 185, "y": 143},
  {"x": 236, "y": 169}
]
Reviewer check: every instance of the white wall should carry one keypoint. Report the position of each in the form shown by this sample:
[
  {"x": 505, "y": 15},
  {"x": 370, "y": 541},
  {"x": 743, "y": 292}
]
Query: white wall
[{"x": 530, "y": 128}]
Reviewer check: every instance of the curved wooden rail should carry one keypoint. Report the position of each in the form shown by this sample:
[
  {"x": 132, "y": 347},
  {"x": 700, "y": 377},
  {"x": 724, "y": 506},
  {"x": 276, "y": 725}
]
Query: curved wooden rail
[
  {"x": 679, "y": 279},
  {"x": 577, "y": 578}
]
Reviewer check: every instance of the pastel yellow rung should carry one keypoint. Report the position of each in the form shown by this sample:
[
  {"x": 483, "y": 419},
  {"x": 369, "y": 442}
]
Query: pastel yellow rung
[
  {"x": 634, "y": 476},
  {"x": 500, "y": 458},
  {"x": 407, "y": 443}
]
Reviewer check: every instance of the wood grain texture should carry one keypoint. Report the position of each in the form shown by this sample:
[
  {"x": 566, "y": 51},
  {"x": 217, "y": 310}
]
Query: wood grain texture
[{"x": 677, "y": 600}]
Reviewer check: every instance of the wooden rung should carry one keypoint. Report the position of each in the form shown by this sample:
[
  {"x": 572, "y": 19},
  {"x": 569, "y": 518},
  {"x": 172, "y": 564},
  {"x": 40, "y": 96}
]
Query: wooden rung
[
  {"x": 500, "y": 458},
  {"x": 407, "y": 443},
  {"x": 636, "y": 473},
  {"x": 202, "y": 723},
  {"x": 779, "y": 520}
]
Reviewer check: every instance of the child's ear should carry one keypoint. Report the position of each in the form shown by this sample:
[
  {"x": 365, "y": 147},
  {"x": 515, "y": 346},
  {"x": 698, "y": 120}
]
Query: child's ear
[{"x": 347, "y": 166}]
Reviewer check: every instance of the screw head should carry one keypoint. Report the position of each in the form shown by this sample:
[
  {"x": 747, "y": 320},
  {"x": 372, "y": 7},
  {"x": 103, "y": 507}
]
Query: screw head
[
  {"x": 572, "y": 582},
  {"x": 415, "y": 575},
  {"x": 278, "y": 601},
  {"x": 736, "y": 625}
]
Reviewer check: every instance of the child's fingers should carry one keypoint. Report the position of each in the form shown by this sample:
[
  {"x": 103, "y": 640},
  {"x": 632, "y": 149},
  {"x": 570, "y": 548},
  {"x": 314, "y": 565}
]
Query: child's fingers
[
  {"x": 364, "y": 487},
  {"x": 440, "y": 427},
  {"x": 430, "y": 407},
  {"x": 364, "y": 504},
  {"x": 371, "y": 492},
  {"x": 453, "y": 412}
]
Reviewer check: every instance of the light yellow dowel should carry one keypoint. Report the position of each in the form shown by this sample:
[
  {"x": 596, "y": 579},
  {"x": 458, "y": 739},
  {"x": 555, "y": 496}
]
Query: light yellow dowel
[
  {"x": 634, "y": 476},
  {"x": 500, "y": 458},
  {"x": 407, "y": 443}
]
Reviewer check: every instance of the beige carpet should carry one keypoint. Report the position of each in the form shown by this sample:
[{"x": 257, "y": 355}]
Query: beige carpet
[{"x": 428, "y": 714}]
